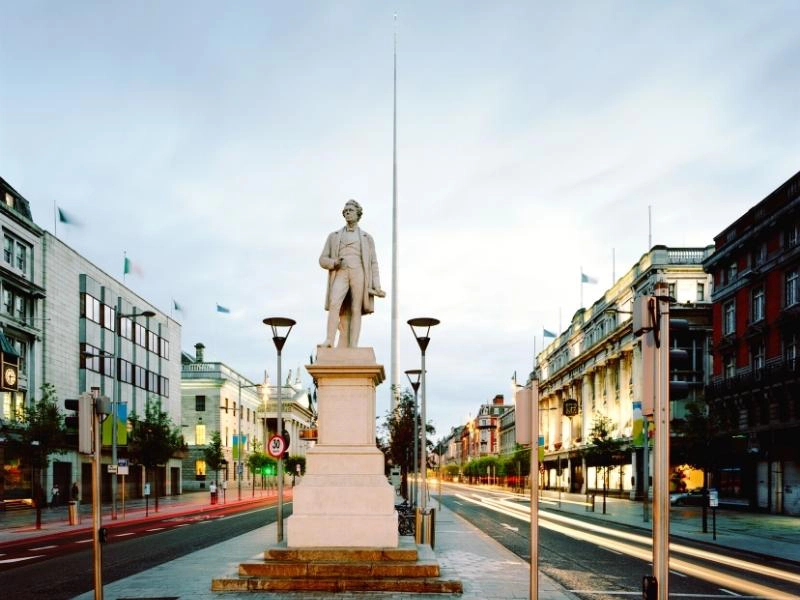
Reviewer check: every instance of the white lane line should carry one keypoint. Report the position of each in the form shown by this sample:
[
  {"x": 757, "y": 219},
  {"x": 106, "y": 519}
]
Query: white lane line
[
  {"x": 13, "y": 560},
  {"x": 124, "y": 534},
  {"x": 457, "y": 502},
  {"x": 678, "y": 573},
  {"x": 155, "y": 529},
  {"x": 42, "y": 548},
  {"x": 729, "y": 592},
  {"x": 183, "y": 525},
  {"x": 89, "y": 541},
  {"x": 507, "y": 526}
]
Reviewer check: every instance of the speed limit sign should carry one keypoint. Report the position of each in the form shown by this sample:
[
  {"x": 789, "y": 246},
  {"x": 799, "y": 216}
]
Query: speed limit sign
[{"x": 276, "y": 446}]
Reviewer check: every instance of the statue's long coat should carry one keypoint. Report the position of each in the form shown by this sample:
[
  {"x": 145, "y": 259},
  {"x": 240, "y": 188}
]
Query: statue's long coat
[{"x": 329, "y": 256}]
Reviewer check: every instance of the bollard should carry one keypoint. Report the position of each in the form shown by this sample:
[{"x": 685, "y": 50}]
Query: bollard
[
  {"x": 72, "y": 511},
  {"x": 649, "y": 588},
  {"x": 424, "y": 532}
]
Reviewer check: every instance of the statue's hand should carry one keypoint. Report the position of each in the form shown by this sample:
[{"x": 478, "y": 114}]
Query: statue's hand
[{"x": 378, "y": 293}]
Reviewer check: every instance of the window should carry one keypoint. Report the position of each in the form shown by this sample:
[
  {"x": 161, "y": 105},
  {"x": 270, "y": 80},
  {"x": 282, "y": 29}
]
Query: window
[
  {"x": 164, "y": 348},
  {"x": 8, "y": 249},
  {"x": 790, "y": 351},
  {"x": 671, "y": 290},
  {"x": 107, "y": 365},
  {"x": 22, "y": 255},
  {"x": 126, "y": 328},
  {"x": 701, "y": 292},
  {"x": 15, "y": 253},
  {"x": 163, "y": 386},
  {"x": 200, "y": 403},
  {"x": 22, "y": 350},
  {"x": 792, "y": 288},
  {"x": 152, "y": 382},
  {"x": 200, "y": 468},
  {"x": 761, "y": 254},
  {"x": 90, "y": 357},
  {"x": 108, "y": 317},
  {"x": 758, "y": 304},
  {"x": 200, "y": 434},
  {"x": 139, "y": 335},
  {"x": 125, "y": 370},
  {"x": 729, "y": 317},
  {"x": 732, "y": 270},
  {"x": 225, "y": 408},
  {"x": 793, "y": 236},
  {"x": 757, "y": 356},
  {"x": 730, "y": 366},
  {"x": 20, "y": 307},
  {"x": 9, "y": 200},
  {"x": 90, "y": 308},
  {"x": 152, "y": 341},
  {"x": 140, "y": 377}
]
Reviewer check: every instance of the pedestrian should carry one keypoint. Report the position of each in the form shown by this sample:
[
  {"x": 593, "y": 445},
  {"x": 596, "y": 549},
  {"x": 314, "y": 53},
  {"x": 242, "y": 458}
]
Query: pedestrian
[
  {"x": 213, "y": 489},
  {"x": 55, "y": 495},
  {"x": 75, "y": 492}
]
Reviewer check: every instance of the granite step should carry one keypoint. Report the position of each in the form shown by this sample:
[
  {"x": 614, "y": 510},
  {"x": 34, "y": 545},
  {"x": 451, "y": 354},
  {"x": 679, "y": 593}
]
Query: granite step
[
  {"x": 340, "y": 569},
  {"x": 301, "y": 584},
  {"x": 405, "y": 551}
]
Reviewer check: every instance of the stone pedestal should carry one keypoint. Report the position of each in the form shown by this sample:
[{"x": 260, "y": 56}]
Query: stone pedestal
[{"x": 344, "y": 499}]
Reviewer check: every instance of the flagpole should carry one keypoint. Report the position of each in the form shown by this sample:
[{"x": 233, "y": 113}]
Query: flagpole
[
  {"x": 393, "y": 391},
  {"x": 581, "y": 287},
  {"x": 124, "y": 264},
  {"x": 55, "y": 219}
]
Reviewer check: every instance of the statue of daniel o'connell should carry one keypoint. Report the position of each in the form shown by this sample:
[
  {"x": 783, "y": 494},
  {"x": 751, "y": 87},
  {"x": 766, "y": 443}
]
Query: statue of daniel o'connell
[{"x": 353, "y": 278}]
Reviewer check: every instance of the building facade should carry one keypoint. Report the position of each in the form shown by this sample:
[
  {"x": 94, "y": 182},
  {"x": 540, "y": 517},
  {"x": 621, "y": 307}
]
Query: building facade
[
  {"x": 596, "y": 365},
  {"x": 217, "y": 398},
  {"x": 754, "y": 395}
]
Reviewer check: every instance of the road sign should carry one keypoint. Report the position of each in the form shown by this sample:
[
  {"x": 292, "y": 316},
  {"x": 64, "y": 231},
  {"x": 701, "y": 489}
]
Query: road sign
[
  {"x": 122, "y": 466},
  {"x": 112, "y": 468},
  {"x": 276, "y": 446},
  {"x": 713, "y": 498}
]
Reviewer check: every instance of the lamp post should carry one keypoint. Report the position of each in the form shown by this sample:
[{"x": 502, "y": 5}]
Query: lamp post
[
  {"x": 281, "y": 327},
  {"x": 239, "y": 466},
  {"x": 414, "y": 379},
  {"x": 115, "y": 402},
  {"x": 421, "y": 328}
]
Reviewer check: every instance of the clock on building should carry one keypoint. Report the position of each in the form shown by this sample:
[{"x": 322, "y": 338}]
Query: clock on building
[{"x": 9, "y": 377}]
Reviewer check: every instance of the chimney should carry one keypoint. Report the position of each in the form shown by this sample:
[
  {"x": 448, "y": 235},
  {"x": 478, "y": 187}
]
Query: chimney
[
  {"x": 498, "y": 400},
  {"x": 198, "y": 352}
]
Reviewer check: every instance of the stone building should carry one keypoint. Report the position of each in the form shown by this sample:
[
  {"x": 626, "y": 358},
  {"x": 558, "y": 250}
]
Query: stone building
[{"x": 595, "y": 363}]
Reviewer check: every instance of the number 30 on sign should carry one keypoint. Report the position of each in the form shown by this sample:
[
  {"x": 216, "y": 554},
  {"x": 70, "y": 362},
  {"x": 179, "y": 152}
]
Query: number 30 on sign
[{"x": 276, "y": 446}]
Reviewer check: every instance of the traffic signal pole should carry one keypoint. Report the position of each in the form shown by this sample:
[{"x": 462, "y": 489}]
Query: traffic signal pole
[
  {"x": 661, "y": 449},
  {"x": 96, "y": 547}
]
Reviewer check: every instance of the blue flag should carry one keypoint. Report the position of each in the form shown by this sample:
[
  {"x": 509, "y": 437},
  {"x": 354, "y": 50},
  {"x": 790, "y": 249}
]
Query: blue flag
[
  {"x": 222, "y": 309},
  {"x": 546, "y": 333}
]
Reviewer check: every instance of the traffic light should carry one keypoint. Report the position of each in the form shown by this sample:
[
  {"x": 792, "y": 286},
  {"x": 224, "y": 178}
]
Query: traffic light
[{"x": 80, "y": 427}]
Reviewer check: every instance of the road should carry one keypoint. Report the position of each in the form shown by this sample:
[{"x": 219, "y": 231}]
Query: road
[
  {"x": 63, "y": 567},
  {"x": 602, "y": 562}
]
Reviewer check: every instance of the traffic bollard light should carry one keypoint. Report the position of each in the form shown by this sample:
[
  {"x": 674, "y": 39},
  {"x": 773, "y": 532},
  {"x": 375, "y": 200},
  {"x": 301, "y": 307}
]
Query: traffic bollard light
[{"x": 649, "y": 588}]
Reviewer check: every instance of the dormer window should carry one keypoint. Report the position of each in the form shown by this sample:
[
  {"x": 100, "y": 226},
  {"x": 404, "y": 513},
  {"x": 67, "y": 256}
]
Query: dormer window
[{"x": 9, "y": 200}]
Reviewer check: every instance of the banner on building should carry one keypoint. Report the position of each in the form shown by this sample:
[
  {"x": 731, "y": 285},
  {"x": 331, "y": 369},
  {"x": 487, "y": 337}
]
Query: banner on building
[{"x": 122, "y": 426}]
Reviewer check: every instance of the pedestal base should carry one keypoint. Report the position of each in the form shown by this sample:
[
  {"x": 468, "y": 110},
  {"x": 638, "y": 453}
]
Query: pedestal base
[{"x": 344, "y": 499}]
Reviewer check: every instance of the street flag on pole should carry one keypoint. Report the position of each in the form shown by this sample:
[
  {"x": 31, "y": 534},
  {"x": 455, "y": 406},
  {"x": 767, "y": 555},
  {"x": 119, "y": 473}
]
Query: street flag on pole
[
  {"x": 176, "y": 306},
  {"x": 128, "y": 266},
  {"x": 587, "y": 278},
  {"x": 222, "y": 309},
  {"x": 66, "y": 218},
  {"x": 547, "y": 334}
]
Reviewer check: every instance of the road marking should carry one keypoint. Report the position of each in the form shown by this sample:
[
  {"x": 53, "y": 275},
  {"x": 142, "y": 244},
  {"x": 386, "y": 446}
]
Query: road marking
[
  {"x": 155, "y": 529},
  {"x": 678, "y": 573},
  {"x": 183, "y": 525},
  {"x": 729, "y": 592},
  {"x": 610, "y": 550},
  {"x": 507, "y": 526},
  {"x": 42, "y": 548},
  {"x": 124, "y": 534},
  {"x": 457, "y": 502},
  {"x": 13, "y": 560},
  {"x": 84, "y": 541}
]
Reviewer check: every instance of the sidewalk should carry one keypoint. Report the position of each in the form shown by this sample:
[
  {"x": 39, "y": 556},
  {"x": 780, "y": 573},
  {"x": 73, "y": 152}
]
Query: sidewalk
[
  {"x": 486, "y": 569},
  {"x": 767, "y": 534}
]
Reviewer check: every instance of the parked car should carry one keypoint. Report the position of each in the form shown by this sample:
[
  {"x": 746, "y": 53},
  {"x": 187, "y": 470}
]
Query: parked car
[{"x": 688, "y": 498}]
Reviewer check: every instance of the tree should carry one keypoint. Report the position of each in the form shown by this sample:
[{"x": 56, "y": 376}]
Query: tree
[
  {"x": 603, "y": 448},
  {"x": 214, "y": 456},
  {"x": 154, "y": 440},
  {"x": 399, "y": 447},
  {"x": 256, "y": 463},
  {"x": 34, "y": 437}
]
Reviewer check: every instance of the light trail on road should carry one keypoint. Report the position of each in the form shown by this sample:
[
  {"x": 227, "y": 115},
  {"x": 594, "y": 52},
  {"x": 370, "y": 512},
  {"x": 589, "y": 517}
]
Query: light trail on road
[{"x": 580, "y": 530}]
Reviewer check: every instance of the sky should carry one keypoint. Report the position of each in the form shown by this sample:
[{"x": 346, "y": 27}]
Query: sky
[{"x": 216, "y": 144}]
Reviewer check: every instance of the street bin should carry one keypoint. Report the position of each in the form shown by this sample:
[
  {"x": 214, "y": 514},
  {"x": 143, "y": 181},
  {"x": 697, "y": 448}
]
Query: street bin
[
  {"x": 425, "y": 530},
  {"x": 72, "y": 511}
]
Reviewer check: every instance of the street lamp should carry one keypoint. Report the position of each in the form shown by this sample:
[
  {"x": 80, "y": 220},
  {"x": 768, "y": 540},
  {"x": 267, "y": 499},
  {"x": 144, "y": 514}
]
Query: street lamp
[
  {"x": 414, "y": 379},
  {"x": 239, "y": 465},
  {"x": 421, "y": 328},
  {"x": 115, "y": 402},
  {"x": 281, "y": 327}
]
